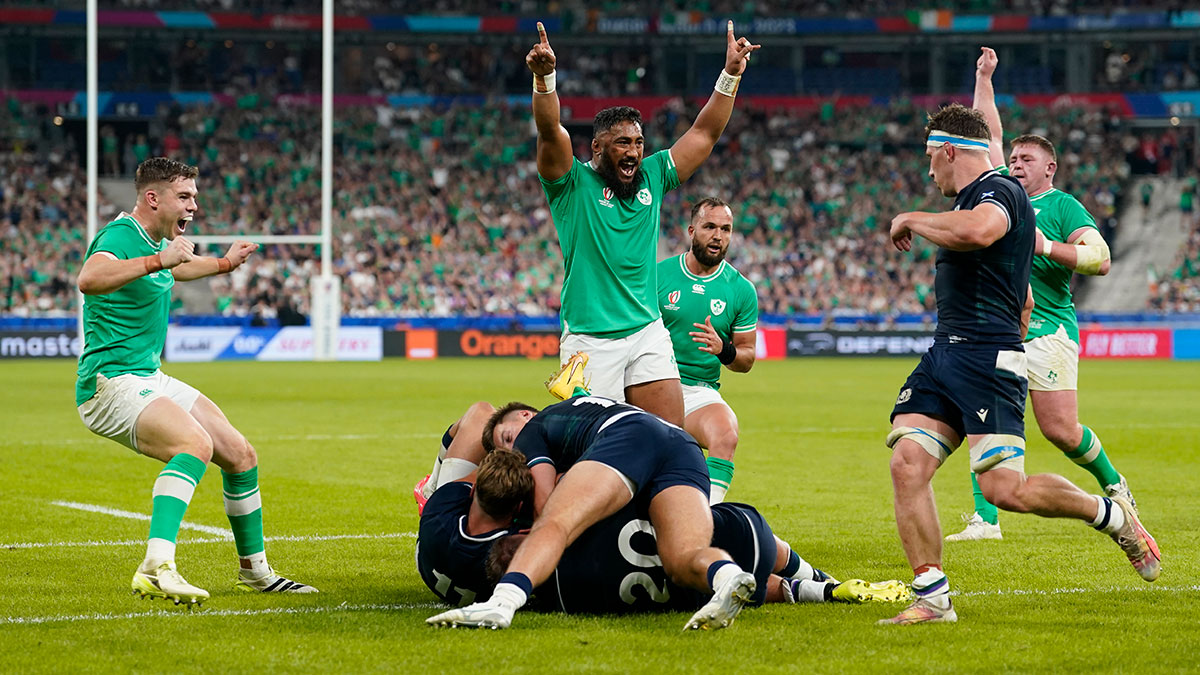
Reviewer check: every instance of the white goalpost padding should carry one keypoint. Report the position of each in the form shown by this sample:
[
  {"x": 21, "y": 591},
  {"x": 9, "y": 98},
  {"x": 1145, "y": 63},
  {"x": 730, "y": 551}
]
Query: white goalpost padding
[{"x": 326, "y": 301}]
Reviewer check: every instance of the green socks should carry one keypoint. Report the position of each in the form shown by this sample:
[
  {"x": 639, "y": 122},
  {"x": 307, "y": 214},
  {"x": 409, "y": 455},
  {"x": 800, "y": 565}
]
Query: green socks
[
  {"x": 1091, "y": 456},
  {"x": 983, "y": 507},
  {"x": 243, "y": 505},
  {"x": 720, "y": 473},
  {"x": 173, "y": 491}
]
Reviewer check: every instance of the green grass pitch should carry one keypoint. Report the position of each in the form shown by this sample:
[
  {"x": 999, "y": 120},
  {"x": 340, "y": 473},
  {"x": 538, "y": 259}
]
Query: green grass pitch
[{"x": 341, "y": 445}]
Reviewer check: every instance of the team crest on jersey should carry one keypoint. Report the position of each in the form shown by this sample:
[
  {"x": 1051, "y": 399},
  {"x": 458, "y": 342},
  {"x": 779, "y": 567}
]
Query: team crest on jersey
[
  {"x": 644, "y": 196},
  {"x": 673, "y": 297},
  {"x": 904, "y": 396},
  {"x": 717, "y": 306}
]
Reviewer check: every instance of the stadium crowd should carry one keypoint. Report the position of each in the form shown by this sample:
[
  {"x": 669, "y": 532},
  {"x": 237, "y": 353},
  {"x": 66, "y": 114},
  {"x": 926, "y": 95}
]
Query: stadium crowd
[{"x": 439, "y": 211}]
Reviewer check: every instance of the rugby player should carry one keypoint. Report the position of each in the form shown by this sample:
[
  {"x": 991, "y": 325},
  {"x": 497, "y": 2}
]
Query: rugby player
[{"x": 971, "y": 383}]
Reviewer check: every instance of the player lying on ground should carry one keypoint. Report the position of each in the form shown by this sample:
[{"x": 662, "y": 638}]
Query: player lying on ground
[
  {"x": 461, "y": 521},
  {"x": 971, "y": 384},
  {"x": 460, "y": 526},
  {"x": 609, "y": 454},
  {"x": 614, "y": 567},
  {"x": 121, "y": 393},
  {"x": 1066, "y": 241}
]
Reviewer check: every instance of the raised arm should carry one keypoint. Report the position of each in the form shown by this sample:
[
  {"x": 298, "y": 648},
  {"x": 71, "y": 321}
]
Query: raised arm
[
  {"x": 985, "y": 102},
  {"x": 695, "y": 145},
  {"x": 554, "y": 155}
]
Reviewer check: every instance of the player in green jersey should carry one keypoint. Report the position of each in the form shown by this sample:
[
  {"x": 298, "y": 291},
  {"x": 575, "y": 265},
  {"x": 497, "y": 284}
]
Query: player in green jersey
[
  {"x": 711, "y": 312},
  {"x": 126, "y": 279},
  {"x": 606, "y": 212},
  {"x": 1067, "y": 242}
]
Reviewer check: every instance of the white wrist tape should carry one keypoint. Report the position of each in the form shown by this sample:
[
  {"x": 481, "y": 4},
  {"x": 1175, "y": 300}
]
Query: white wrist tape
[
  {"x": 1047, "y": 246},
  {"x": 548, "y": 82},
  {"x": 727, "y": 84},
  {"x": 1091, "y": 252}
]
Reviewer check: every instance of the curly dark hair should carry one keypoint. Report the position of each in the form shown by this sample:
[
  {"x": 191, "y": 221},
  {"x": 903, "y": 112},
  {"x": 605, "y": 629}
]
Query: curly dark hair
[{"x": 609, "y": 117}]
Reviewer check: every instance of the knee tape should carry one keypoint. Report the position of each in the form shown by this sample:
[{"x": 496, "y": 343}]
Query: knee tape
[
  {"x": 937, "y": 445},
  {"x": 998, "y": 451}
]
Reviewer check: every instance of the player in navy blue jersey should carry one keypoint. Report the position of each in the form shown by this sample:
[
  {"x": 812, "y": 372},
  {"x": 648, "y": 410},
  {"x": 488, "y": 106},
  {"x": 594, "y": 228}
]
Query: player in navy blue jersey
[
  {"x": 614, "y": 568},
  {"x": 609, "y": 454},
  {"x": 462, "y": 519},
  {"x": 972, "y": 382}
]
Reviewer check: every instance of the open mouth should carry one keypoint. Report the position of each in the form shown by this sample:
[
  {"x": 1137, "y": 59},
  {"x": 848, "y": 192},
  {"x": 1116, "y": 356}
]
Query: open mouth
[
  {"x": 182, "y": 223},
  {"x": 627, "y": 167},
  {"x": 713, "y": 249}
]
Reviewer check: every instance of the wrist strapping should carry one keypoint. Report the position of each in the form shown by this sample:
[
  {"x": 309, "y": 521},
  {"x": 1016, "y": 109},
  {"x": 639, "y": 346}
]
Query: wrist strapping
[
  {"x": 153, "y": 263},
  {"x": 1047, "y": 246},
  {"x": 728, "y": 352},
  {"x": 224, "y": 265},
  {"x": 727, "y": 84},
  {"x": 547, "y": 83}
]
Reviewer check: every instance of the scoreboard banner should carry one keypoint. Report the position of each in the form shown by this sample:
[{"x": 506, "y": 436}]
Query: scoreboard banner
[{"x": 291, "y": 343}]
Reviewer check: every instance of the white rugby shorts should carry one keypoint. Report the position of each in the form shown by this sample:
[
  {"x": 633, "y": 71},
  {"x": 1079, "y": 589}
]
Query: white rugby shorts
[
  {"x": 114, "y": 410},
  {"x": 1053, "y": 362},
  {"x": 696, "y": 397},
  {"x": 617, "y": 363}
]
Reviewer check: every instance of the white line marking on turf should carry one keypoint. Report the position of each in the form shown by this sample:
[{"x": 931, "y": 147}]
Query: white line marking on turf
[
  {"x": 219, "y": 531},
  {"x": 71, "y": 618},
  {"x": 256, "y": 439},
  {"x": 142, "y": 542},
  {"x": 33, "y": 620}
]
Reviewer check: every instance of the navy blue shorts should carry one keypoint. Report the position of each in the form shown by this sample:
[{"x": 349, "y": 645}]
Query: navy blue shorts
[
  {"x": 651, "y": 453},
  {"x": 977, "y": 389},
  {"x": 742, "y": 531}
]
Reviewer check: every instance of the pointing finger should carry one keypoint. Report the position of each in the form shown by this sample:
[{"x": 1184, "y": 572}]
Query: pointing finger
[
  {"x": 542, "y": 33},
  {"x": 729, "y": 32}
]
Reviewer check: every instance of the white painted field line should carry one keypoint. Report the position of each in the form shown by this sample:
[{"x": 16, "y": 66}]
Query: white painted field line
[
  {"x": 33, "y": 620},
  {"x": 256, "y": 439},
  {"x": 214, "y": 540},
  {"x": 1072, "y": 591},
  {"x": 95, "y": 508},
  {"x": 72, "y": 618}
]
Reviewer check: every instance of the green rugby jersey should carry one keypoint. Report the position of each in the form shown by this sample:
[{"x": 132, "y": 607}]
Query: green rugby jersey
[
  {"x": 725, "y": 295},
  {"x": 609, "y": 247},
  {"x": 124, "y": 331},
  {"x": 1058, "y": 215}
]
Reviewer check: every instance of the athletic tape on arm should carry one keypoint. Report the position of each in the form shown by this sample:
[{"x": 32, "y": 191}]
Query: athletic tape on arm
[{"x": 1091, "y": 251}]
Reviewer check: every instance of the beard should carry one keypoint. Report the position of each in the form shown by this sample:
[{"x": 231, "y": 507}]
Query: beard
[
  {"x": 700, "y": 251},
  {"x": 608, "y": 171}
]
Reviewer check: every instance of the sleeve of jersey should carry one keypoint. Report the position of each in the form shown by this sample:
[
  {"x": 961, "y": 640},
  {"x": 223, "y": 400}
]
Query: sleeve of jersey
[
  {"x": 661, "y": 167},
  {"x": 533, "y": 445},
  {"x": 118, "y": 240},
  {"x": 1003, "y": 197},
  {"x": 557, "y": 190},
  {"x": 747, "y": 316},
  {"x": 1075, "y": 216}
]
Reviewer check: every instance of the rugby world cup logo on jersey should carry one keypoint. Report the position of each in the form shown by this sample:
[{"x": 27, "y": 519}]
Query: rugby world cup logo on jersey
[
  {"x": 606, "y": 197},
  {"x": 717, "y": 306},
  {"x": 672, "y": 299},
  {"x": 644, "y": 197}
]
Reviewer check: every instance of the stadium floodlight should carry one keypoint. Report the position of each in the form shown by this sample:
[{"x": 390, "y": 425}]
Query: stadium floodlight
[{"x": 326, "y": 306}]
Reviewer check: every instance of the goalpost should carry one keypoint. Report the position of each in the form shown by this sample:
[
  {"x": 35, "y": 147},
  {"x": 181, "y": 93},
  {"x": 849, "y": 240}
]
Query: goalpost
[{"x": 326, "y": 305}]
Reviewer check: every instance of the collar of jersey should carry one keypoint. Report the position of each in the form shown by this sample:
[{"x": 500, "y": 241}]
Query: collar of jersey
[
  {"x": 683, "y": 266},
  {"x": 488, "y": 536},
  {"x": 1053, "y": 189},
  {"x": 141, "y": 230}
]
